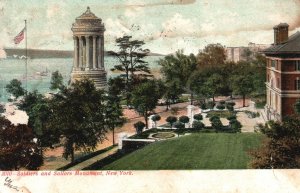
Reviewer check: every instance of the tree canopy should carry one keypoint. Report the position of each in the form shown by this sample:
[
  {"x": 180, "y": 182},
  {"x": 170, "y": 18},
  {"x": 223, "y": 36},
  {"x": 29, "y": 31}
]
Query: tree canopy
[
  {"x": 145, "y": 98},
  {"x": 17, "y": 147},
  {"x": 212, "y": 55},
  {"x": 131, "y": 56},
  {"x": 281, "y": 150},
  {"x": 15, "y": 88},
  {"x": 78, "y": 114},
  {"x": 56, "y": 81}
]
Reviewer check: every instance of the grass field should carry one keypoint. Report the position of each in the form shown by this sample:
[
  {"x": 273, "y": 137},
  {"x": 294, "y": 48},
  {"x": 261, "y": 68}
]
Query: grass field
[{"x": 197, "y": 151}]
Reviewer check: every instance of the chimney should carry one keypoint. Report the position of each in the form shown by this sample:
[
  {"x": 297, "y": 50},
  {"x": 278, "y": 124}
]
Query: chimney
[{"x": 281, "y": 33}]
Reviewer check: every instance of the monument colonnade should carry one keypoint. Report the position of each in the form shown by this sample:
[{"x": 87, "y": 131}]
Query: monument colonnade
[{"x": 87, "y": 49}]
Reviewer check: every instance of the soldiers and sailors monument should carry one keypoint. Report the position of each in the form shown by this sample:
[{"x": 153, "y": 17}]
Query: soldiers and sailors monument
[{"x": 88, "y": 34}]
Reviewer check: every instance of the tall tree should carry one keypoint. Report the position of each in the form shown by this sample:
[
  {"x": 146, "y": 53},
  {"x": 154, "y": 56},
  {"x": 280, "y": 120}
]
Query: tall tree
[
  {"x": 176, "y": 70},
  {"x": 145, "y": 98},
  {"x": 56, "y": 81},
  {"x": 78, "y": 113},
  {"x": 17, "y": 147},
  {"x": 131, "y": 56},
  {"x": 281, "y": 149},
  {"x": 113, "y": 110},
  {"x": 242, "y": 85},
  {"x": 213, "y": 55},
  {"x": 15, "y": 88},
  {"x": 37, "y": 108}
]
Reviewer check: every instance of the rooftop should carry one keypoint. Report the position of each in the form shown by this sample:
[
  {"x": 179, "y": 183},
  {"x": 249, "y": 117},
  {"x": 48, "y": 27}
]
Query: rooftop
[{"x": 291, "y": 46}]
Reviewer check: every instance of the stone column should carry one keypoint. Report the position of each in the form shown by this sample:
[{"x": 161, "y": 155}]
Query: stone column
[
  {"x": 80, "y": 52},
  {"x": 99, "y": 52},
  {"x": 94, "y": 52},
  {"x": 75, "y": 52},
  {"x": 87, "y": 50},
  {"x": 102, "y": 52}
]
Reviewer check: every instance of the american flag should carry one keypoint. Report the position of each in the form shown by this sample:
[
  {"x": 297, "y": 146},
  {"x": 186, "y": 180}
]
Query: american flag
[{"x": 19, "y": 37}]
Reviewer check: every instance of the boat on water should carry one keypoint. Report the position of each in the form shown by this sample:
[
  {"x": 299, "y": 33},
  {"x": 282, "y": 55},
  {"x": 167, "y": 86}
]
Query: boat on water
[{"x": 43, "y": 73}]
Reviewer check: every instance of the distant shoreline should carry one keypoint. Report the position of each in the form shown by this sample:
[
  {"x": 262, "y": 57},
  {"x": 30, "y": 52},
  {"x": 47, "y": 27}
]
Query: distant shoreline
[{"x": 19, "y": 53}]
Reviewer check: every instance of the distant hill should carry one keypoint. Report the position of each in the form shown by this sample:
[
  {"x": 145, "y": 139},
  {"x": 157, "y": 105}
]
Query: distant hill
[{"x": 37, "y": 53}]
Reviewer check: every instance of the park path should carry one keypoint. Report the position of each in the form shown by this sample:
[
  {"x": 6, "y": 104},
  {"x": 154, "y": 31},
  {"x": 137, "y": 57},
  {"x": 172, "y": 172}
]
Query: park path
[{"x": 92, "y": 160}]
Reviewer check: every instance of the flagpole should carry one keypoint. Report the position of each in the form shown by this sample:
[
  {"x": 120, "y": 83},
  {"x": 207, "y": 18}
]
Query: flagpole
[{"x": 26, "y": 53}]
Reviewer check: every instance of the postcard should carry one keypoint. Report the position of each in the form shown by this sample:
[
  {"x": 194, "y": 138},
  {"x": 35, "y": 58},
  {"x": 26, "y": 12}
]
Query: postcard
[{"x": 149, "y": 96}]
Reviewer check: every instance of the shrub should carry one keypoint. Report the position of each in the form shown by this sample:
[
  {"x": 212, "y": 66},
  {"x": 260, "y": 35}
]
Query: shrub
[
  {"x": 214, "y": 117},
  {"x": 221, "y": 114},
  {"x": 198, "y": 125},
  {"x": 203, "y": 106},
  {"x": 231, "y": 117},
  {"x": 198, "y": 117},
  {"x": 155, "y": 118},
  {"x": 211, "y": 104},
  {"x": 222, "y": 102},
  {"x": 230, "y": 108},
  {"x": 220, "y": 107},
  {"x": 184, "y": 119},
  {"x": 179, "y": 125},
  {"x": 139, "y": 126},
  {"x": 171, "y": 120},
  {"x": 235, "y": 125},
  {"x": 216, "y": 124},
  {"x": 231, "y": 103}
]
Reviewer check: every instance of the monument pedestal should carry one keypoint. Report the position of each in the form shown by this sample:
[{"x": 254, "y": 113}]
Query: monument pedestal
[{"x": 97, "y": 76}]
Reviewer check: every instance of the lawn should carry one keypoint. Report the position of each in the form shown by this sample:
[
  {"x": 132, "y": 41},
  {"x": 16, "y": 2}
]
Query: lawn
[{"x": 197, "y": 151}]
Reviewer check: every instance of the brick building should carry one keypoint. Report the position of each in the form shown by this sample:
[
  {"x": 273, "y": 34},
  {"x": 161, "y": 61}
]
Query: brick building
[{"x": 283, "y": 73}]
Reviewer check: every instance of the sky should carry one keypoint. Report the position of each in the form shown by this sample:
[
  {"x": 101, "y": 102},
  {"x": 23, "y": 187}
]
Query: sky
[{"x": 164, "y": 25}]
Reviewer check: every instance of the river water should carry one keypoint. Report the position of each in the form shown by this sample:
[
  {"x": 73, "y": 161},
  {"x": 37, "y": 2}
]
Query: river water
[{"x": 15, "y": 69}]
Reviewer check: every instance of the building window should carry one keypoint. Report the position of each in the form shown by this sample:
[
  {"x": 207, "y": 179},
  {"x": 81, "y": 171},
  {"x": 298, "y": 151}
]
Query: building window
[
  {"x": 273, "y": 64},
  {"x": 297, "y": 65},
  {"x": 297, "y": 84}
]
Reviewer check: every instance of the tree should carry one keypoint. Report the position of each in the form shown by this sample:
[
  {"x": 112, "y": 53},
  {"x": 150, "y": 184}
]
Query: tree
[
  {"x": 213, "y": 55},
  {"x": 139, "y": 126},
  {"x": 176, "y": 70},
  {"x": 243, "y": 85},
  {"x": 213, "y": 85},
  {"x": 281, "y": 149},
  {"x": 156, "y": 118},
  {"x": 198, "y": 125},
  {"x": 180, "y": 127},
  {"x": 37, "y": 108},
  {"x": 15, "y": 88},
  {"x": 17, "y": 147},
  {"x": 56, "y": 81},
  {"x": 131, "y": 56},
  {"x": 184, "y": 119},
  {"x": 78, "y": 114},
  {"x": 171, "y": 120},
  {"x": 172, "y": 91},
  {"x": 144, "y": 98},
  {"x": 235, "y": 125},
  {"x": 113, "y": 114},
  {"x": 198, "y": 117},
  {"x": 297, "y": 107},
  {"x": 247, "y": 54},
  {"x": 216, "y": 123}
]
